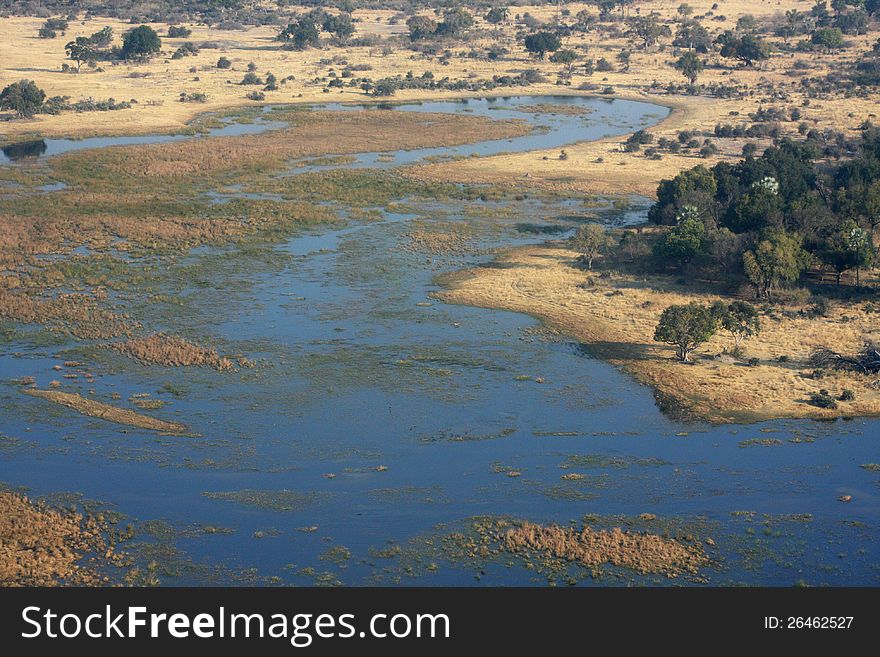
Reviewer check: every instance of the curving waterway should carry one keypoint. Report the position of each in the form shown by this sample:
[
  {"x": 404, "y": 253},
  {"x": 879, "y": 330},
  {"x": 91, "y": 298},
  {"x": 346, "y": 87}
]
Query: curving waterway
[{"x": 378, "y": 419}]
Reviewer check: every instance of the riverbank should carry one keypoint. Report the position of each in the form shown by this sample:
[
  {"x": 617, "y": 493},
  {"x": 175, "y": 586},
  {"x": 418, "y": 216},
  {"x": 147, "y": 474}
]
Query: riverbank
[{"x": 614, "y": 317}]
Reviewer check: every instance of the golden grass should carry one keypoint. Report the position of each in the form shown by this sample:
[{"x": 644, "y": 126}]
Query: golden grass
[
  {"x": 107, "y": 412},
  {"x": 615, "y": 318},
  {"x": 23, "y": 55},
  {"x": 643, "y": 553}
]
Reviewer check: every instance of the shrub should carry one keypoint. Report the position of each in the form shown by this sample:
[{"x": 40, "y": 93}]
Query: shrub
[
  {"x": 178, "y": 32},
  {"x": 847, "y": 395},
  {"x": 223, "y": 62},
  {"x": 823, "y": 400},
  {"x": 256, "y": 95}
]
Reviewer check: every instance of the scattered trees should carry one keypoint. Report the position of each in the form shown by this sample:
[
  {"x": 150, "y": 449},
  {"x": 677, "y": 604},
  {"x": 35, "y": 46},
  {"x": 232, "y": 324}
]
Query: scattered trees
[{"x": 51, "y": 27}]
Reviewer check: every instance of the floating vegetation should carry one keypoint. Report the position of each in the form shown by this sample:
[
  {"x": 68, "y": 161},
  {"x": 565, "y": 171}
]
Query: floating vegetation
[
  {"x": 760, "y": 442},
  {"x": 871, "y": 467},
  {"x": 607, "y": 461},
  {"x": 467, "y": 436},
  {"x": 280, "y": 500}
]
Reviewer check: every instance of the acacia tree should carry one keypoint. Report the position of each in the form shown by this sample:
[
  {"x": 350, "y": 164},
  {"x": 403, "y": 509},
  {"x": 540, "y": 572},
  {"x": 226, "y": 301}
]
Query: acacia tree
[
  {"x": 540, "y": 43},
  {"x": 591, "y": 240},
  {"x": 686, "y": 327},
  {"x": 690, "y": 66},
  {"x": 23, "y": 97},
  {"x": 81, "y": 50},
  {"x": 649, "y": 30},
  {"x": 777, "y": 259}
]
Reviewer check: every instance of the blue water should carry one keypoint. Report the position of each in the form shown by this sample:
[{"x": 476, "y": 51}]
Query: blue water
[{"x": 420, "y": 409}]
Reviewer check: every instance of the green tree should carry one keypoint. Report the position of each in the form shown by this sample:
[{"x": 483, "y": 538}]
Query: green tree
[
  {"x": 420, "y": 27},
  {"x": 565, "y": 57},
  {"x": 778, "y": 258},
  {"x": 455, "y": 21},
  {"x": 847, "y": 247},
  {"x": 686, "y": 327},
  {"x": 497, "y": 15},
  {"x": 649, "y": 30},
  {"x": 340, "y": 26},
  {"x": 740, "y": 318},
  {"x": 690, "y": 66},
  {"x": 746, "y": 48},
  {"x": 102, "y": 38},
  {"x": 301, "y": 34},
  {"x": 140, "y": 43},
  {"x": 827, "y": 38},
  {"x": 591, "y": 240},
  {"x": 685, "y": 241},
  {"x": 23, "y": 97},
  {"x": 540, "y": 43},
  {"x": 80, "y": 50}
]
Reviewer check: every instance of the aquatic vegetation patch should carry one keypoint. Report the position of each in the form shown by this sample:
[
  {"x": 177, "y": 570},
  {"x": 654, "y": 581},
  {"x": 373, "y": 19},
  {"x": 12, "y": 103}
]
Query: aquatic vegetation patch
[{"x": 279, "y": 500}]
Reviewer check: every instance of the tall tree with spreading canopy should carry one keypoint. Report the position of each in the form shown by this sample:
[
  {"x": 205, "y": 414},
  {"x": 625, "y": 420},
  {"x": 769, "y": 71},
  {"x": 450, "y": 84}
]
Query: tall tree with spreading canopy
[
  {"x": 141, "y": 43},
  {"x": 686, "y": 327},
  {"x": 540, "y": 43}
]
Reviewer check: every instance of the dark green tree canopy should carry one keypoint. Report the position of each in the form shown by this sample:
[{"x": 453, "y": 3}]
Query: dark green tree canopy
[
  {"x": 686, "y": 327},
  {"x": 140, "y": 43},
  {"x": 540, "y": 43},
  {"x": 25, "y": 98}
]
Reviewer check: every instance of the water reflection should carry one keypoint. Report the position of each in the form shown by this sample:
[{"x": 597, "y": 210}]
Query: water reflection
[{"x": 25, "y": 149}]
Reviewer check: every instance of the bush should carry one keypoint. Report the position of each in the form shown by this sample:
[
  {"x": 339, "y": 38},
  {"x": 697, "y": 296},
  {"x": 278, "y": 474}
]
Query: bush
[
  {"x": 223, "y": 62},
  {"x": 251, "y": 78},
  {"x": 178, "y": 32},
  {"x": 256, "y": 95},
  {"x": 823, "y": 400},
  {"x": 847, "y": 395}
]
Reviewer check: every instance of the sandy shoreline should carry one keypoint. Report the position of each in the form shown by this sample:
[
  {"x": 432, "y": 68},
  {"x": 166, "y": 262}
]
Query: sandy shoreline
[{"x": 615, "y": 317}]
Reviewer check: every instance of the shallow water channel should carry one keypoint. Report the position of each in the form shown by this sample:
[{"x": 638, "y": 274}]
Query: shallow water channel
[{"x": 378, "y": 419}]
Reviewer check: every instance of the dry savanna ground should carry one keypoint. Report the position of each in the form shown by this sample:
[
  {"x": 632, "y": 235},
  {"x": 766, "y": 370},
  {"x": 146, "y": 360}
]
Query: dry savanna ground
[
  {"x": 157, "y": 86},
  {"x": 615, "y": 318}
]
